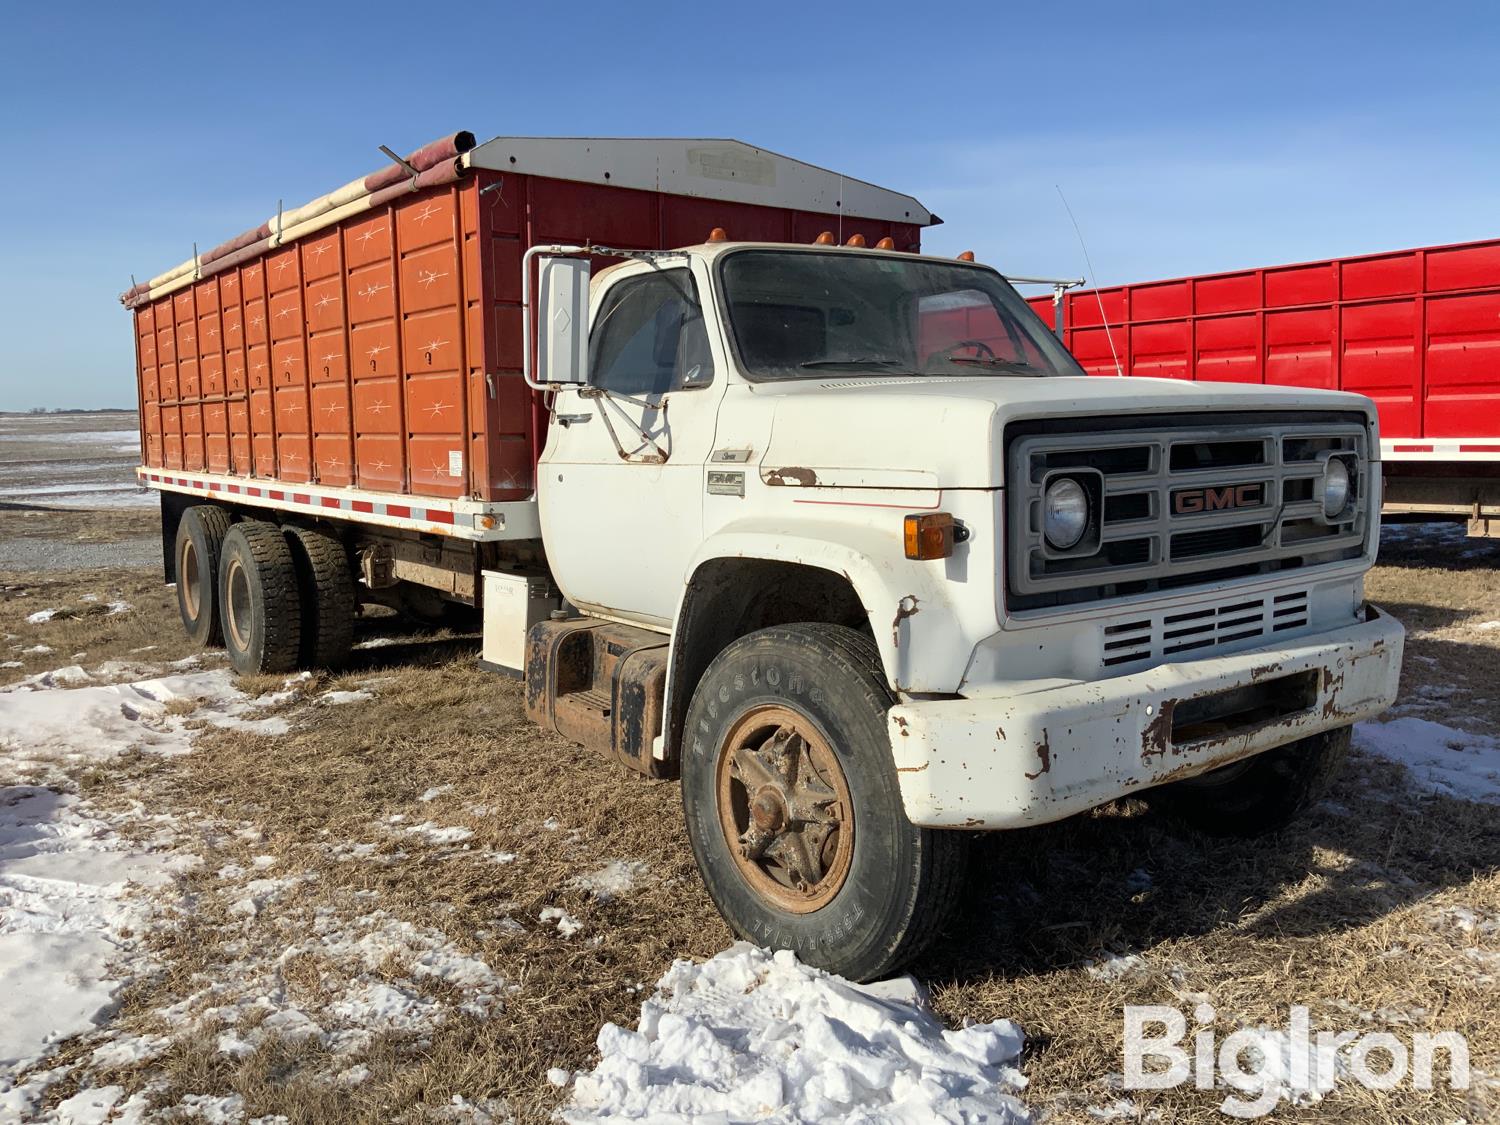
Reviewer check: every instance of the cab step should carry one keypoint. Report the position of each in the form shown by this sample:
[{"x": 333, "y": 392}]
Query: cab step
[{"x": 601, "y": 685}]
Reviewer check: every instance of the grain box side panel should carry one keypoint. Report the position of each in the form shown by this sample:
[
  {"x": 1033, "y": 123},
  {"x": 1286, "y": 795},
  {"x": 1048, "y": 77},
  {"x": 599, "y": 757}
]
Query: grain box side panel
[
  {"x": 171, "y": 416},
  {"x": 212, "y": 355},
  {"x": 375, "y": 362},
  {"x": 327, "y": 349},
  {"x": 428, "y": 279},
  {"x": 290, "y": 404},
  {"x": 236, "y": 395},
  {"x": 258, "y": 369},
  {"x": 1462, "y": 391}
]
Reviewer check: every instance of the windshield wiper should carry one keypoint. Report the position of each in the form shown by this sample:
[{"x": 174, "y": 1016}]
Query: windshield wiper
[
  {"x": 893, "y": 365},
  {"x": 1014, "y": 366}
]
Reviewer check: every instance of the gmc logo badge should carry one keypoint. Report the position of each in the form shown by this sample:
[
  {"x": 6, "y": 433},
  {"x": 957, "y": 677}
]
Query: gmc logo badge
[{"x": 1191, "y": 500}]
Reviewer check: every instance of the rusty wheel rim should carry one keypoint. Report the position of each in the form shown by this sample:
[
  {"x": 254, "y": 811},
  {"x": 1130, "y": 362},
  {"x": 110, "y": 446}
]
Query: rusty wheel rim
[
  {"x": 237, "y": 605},
  {"x": 785, "y": 809},
  {"x": 188, "y": 577}
]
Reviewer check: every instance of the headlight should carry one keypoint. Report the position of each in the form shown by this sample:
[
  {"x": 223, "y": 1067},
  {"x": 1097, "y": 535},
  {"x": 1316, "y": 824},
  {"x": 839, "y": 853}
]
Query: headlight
[
  {"x": 1065, "y": 513},
  {"x": 1335, "y": 487}
]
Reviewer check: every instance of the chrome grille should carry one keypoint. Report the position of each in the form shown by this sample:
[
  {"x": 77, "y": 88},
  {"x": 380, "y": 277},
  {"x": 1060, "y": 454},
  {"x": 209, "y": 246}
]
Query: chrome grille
[
  {"x": 1180, "y": 506},
  {"x": 1162, "y": 636}
]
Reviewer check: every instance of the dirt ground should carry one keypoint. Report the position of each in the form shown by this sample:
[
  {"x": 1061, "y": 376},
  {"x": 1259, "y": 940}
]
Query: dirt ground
[{"x": 1380, "y": 910}]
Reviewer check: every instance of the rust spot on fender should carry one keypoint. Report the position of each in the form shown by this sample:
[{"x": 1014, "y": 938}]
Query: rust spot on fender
[
  {"x": 900, "y": 721},
  {"x": 906, "y": 607},
  {"x": 1044, "y": 755},
  {"x": 1000, "y": 733},
  {"x": 1156, "y": 739},
  {"x": 913, "y": 769},
  {"x": 791, "y": 475}
]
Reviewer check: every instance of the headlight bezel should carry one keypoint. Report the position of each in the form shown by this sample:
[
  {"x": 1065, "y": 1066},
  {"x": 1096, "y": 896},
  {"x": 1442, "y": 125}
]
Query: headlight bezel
[
  {"x": 1348, "y": 468},
  {"x": 1090, "y": 484}
]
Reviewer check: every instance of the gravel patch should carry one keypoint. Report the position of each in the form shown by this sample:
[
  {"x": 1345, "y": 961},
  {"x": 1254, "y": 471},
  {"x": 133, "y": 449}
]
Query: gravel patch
[{"x": 52, "y": 554}]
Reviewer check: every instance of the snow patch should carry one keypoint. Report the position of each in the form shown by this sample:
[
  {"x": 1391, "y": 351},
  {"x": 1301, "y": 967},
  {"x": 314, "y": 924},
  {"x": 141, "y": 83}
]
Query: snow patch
[
  {"x": 751, "y": 1035},
  {"x": 435, "y": 834},
  {"x": 339, "y": 698},
  {"x": 64, "y": 911},
  {"x": 567, "y": 925},
  {"x": 615, "y": 878},
  {"x": 1115, "y": 966},
  {"x": 1437, "y": 758}
]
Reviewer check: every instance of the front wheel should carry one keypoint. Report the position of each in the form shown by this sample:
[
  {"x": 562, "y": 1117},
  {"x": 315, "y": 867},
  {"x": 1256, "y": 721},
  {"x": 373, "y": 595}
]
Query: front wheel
[
  {"x": 1260, "y": 795},
  {"x": 794, "y": 811}
]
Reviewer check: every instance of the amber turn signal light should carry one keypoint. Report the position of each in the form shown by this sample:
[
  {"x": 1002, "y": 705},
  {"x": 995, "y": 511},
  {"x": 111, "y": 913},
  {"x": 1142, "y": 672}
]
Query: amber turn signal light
[{"x": 930, "y": 535}]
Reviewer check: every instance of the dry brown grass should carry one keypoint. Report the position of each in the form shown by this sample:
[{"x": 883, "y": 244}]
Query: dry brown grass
[
  {"x": 1342, "y": 913},
  {"x": 145, "y": 632}
]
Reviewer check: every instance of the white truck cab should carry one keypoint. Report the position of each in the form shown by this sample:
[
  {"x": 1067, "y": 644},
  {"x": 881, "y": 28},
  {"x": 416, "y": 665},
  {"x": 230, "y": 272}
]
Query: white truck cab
[{"x": 852, "y": 543}]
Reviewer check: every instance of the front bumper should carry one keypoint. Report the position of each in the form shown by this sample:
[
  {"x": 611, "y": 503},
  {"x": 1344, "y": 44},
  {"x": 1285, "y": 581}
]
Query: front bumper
[{"x": 1003, "y": 761}]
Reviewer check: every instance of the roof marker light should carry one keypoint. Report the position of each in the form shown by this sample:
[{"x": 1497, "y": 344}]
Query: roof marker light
[
  {"x": 718, "y": 235},
  {"x": 825, "y": 239},
  {"x": 886, "y": 243},
  {"x": 966, "y": 256},
  {"x": 856, "y": 240}
]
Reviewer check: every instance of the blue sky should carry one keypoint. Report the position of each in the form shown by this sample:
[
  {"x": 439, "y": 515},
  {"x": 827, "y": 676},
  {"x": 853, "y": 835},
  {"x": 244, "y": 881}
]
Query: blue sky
[{"x": 1188, "y": 137}]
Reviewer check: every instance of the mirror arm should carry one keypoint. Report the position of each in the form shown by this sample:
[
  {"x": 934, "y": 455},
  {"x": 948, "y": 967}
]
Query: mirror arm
[{"x": 528, "y": 341}]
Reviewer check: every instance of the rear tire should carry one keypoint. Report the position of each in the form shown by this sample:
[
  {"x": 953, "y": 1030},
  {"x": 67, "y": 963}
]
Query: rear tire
[
  {"x": 1261, "y": 795},
  {"x": 200, "y": 541},
  {"x": 325, "y": 582},
  {"x": 846, "y": 882},
  {"x": 261, "y": 607}
]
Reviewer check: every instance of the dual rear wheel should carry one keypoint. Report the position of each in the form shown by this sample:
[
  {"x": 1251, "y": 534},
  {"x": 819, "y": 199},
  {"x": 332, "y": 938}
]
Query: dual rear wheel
[{"x": 278, "y": 598}]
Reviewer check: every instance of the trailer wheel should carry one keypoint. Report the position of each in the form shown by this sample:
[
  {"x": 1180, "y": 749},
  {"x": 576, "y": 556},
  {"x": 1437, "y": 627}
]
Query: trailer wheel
[
  {"x": 260, "y": 605},
  {"x": 1260, "y": 795},
  {"x": 200, "y": 540},
  {"x": 794, "y": 811},
  {"x": 325, "y": 582}
]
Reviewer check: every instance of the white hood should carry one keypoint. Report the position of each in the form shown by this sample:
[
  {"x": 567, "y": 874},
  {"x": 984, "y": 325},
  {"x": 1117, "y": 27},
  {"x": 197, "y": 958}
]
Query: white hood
[{"x": 946, "y": 431}]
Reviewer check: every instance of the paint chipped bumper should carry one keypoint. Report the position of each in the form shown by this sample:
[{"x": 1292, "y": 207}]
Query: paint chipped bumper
[{"x": 1005, "y": 760}]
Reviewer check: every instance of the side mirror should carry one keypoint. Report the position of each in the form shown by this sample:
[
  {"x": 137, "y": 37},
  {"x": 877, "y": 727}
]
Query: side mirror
[{"x": 562, "y": 321}]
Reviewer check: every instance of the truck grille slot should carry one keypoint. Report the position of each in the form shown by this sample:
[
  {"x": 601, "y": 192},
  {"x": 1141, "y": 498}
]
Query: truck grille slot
[
  {"x": 1230, "y": 497},
  {"x": 1162, "y": 636}
]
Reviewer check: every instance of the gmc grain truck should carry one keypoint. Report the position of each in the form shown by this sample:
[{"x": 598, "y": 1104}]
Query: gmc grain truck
[{"x": 753, "y": 494}]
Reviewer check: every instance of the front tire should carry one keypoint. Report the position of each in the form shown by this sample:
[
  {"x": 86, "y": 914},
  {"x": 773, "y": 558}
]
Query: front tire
[
  {"x": 259, "y": 601},
  {"x": 1261, "y": 795},
  {"x": 200, "y": 541},
  {"x": 794, "y": 811}
]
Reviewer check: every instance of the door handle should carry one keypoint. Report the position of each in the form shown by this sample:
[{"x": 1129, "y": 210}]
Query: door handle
[{"x": 573, "y": 419}]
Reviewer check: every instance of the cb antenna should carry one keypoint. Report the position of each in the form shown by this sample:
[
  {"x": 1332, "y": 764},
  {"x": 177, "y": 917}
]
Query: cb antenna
[{"x": 1108, "y": 335}]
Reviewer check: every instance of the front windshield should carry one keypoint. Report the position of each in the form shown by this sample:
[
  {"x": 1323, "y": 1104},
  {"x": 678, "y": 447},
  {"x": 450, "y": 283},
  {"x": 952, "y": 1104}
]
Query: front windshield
[{"x": 797, "y": 314}]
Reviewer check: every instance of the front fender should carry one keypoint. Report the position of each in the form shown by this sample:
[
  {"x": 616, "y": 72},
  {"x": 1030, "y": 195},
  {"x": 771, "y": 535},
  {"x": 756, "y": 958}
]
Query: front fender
[{"x": 925, "y": 631}]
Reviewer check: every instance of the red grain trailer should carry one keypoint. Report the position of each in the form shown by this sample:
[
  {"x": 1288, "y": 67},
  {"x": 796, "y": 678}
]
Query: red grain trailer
[
  {"x": 367, "y": 345},
  {"x": 1416, "y": 330}
]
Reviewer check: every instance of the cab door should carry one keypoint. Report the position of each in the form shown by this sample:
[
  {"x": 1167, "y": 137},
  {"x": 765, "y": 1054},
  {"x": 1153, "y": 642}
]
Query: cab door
[{"x": 622, "y": 477}]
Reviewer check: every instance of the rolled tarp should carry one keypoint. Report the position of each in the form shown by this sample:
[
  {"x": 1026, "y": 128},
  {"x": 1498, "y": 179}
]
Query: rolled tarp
[{"x": 437, "y": 162}]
